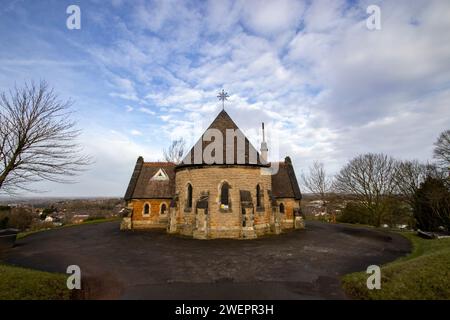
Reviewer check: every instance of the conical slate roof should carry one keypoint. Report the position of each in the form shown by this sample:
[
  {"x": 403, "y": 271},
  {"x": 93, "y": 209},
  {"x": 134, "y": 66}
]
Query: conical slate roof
[{"x": 241, "y": 152}]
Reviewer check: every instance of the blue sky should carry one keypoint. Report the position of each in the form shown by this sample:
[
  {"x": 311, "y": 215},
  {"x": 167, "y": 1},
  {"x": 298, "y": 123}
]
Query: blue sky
[{"x": 145, "y": 72}]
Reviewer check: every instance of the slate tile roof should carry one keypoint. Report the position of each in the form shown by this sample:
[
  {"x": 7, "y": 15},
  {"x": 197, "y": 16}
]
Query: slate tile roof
[
  {"x": 223, "y": 122},
  {"x": 284, "y": 183},
  {"x": 142, "y": 186}
]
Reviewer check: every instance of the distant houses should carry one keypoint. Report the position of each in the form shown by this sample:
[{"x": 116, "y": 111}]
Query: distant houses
[
  {"x": 35, "y": 214},
  {"x": 79, "y": 218}
]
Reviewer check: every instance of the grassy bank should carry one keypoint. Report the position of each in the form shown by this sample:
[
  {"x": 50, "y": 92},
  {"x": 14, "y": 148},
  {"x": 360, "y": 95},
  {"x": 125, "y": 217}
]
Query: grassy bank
[
  {"x": 18, "y": 283},
  {"x": 25, "y": 284},
  {"x": 424, "y": 274},
  {"x": 95, "y": 221}
]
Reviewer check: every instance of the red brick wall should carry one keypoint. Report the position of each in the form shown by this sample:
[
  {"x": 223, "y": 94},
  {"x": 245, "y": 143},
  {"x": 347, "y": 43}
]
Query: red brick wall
[{"x": 154, "y": 216}]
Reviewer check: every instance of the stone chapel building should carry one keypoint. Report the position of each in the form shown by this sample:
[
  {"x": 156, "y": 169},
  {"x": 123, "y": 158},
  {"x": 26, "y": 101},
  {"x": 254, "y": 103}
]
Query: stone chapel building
[{"x": 230, "y": 194}]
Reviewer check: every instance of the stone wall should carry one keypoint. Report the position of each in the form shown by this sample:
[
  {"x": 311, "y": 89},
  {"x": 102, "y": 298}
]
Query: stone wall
[
  {"x": 223, "y": 223},
  {"x": 287, "y": 219},
  {"x": 154, "y": 219},
  {"x": 216, "y": 221}
]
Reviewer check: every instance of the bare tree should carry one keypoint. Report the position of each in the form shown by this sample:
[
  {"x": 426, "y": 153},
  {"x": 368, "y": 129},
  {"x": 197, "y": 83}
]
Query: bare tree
[
  {"x": 37, "y": 139},
  {"x": 174, "y": 153},
  {"x": 442, "y": 150},
  {"x": 410, "y": 174},
  {"x": 317, "y": 181},
  {"x": 370, "y": 177}
]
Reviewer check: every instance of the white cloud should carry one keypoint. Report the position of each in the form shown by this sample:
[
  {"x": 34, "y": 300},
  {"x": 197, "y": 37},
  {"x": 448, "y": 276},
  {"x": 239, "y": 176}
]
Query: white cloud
[
  {"x": 147, "y": 111},
  {"x": 126, "y": 89},
  {"x": 324, "y": 84},
  {"x": 314, "y": 84},
  {"x": 136, "y": 133},
  {"x": 269, "y": 17},
  {"x": 325, "y": 15},
  {"x": 114, "y": 156}
]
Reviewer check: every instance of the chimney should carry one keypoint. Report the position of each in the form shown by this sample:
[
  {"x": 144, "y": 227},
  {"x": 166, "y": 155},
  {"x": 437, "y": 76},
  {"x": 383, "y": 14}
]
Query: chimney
[{"x": 264, "y": 148}]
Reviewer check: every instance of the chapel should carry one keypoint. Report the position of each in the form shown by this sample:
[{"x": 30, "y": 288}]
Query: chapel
[{"x": 223, "y": 188}]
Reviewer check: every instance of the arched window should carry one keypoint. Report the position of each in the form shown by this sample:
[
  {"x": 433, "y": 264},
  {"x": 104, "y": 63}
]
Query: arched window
[
  {"x": 281, "y": 208},
  {"x": 163, "y": 208},
  {"x": 189, "y": 196},
  {"x": 146, "y": 208},
  {"x": 258, "y": 196},
  {"x": 224, "y": 194}
]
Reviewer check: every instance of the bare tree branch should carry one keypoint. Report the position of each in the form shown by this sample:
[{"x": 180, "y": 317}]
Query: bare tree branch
[
  {"x": 408, "y": 177},
  {"x": 37, "y": 138},
  {"x": 442, "y": 150},
  {"x": 174, "y": 153},
  {"x": 317, "y": 181},
  {"x": 371, "y": 178}
]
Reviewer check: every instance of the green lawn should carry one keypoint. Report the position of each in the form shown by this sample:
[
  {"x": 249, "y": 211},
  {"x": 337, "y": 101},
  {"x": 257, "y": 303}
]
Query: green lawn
[
  {"x": 25, "y": 284},
  {"x": 424, "y": 274}
]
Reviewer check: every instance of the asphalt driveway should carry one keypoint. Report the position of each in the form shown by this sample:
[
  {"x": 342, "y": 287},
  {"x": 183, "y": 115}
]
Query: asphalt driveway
[{"x": 301, "y": 264}]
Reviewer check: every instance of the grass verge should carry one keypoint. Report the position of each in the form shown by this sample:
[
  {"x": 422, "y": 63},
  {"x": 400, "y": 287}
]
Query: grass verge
[
  {"x": 27, "y": 233},
  {"x": 422, "y": 275},
  {"x": 18, "y": 283}
]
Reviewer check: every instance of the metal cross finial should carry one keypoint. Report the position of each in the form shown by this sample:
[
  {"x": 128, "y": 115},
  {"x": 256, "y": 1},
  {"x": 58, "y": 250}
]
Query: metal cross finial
[{"x": 223, "y": 96}]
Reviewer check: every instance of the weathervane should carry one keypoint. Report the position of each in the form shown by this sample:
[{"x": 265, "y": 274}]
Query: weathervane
[{"x": 223, "y": 96}]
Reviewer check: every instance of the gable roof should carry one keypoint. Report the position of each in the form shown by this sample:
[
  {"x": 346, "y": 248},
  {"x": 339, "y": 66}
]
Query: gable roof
[
  {"x": 284, "y": 183},
  {"x": 221, "y": 123},
  {"x": 143, "y": 186}
]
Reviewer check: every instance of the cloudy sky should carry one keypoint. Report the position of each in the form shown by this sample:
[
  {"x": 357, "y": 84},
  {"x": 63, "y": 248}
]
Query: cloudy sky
[{"x": 145, "y": 72}]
